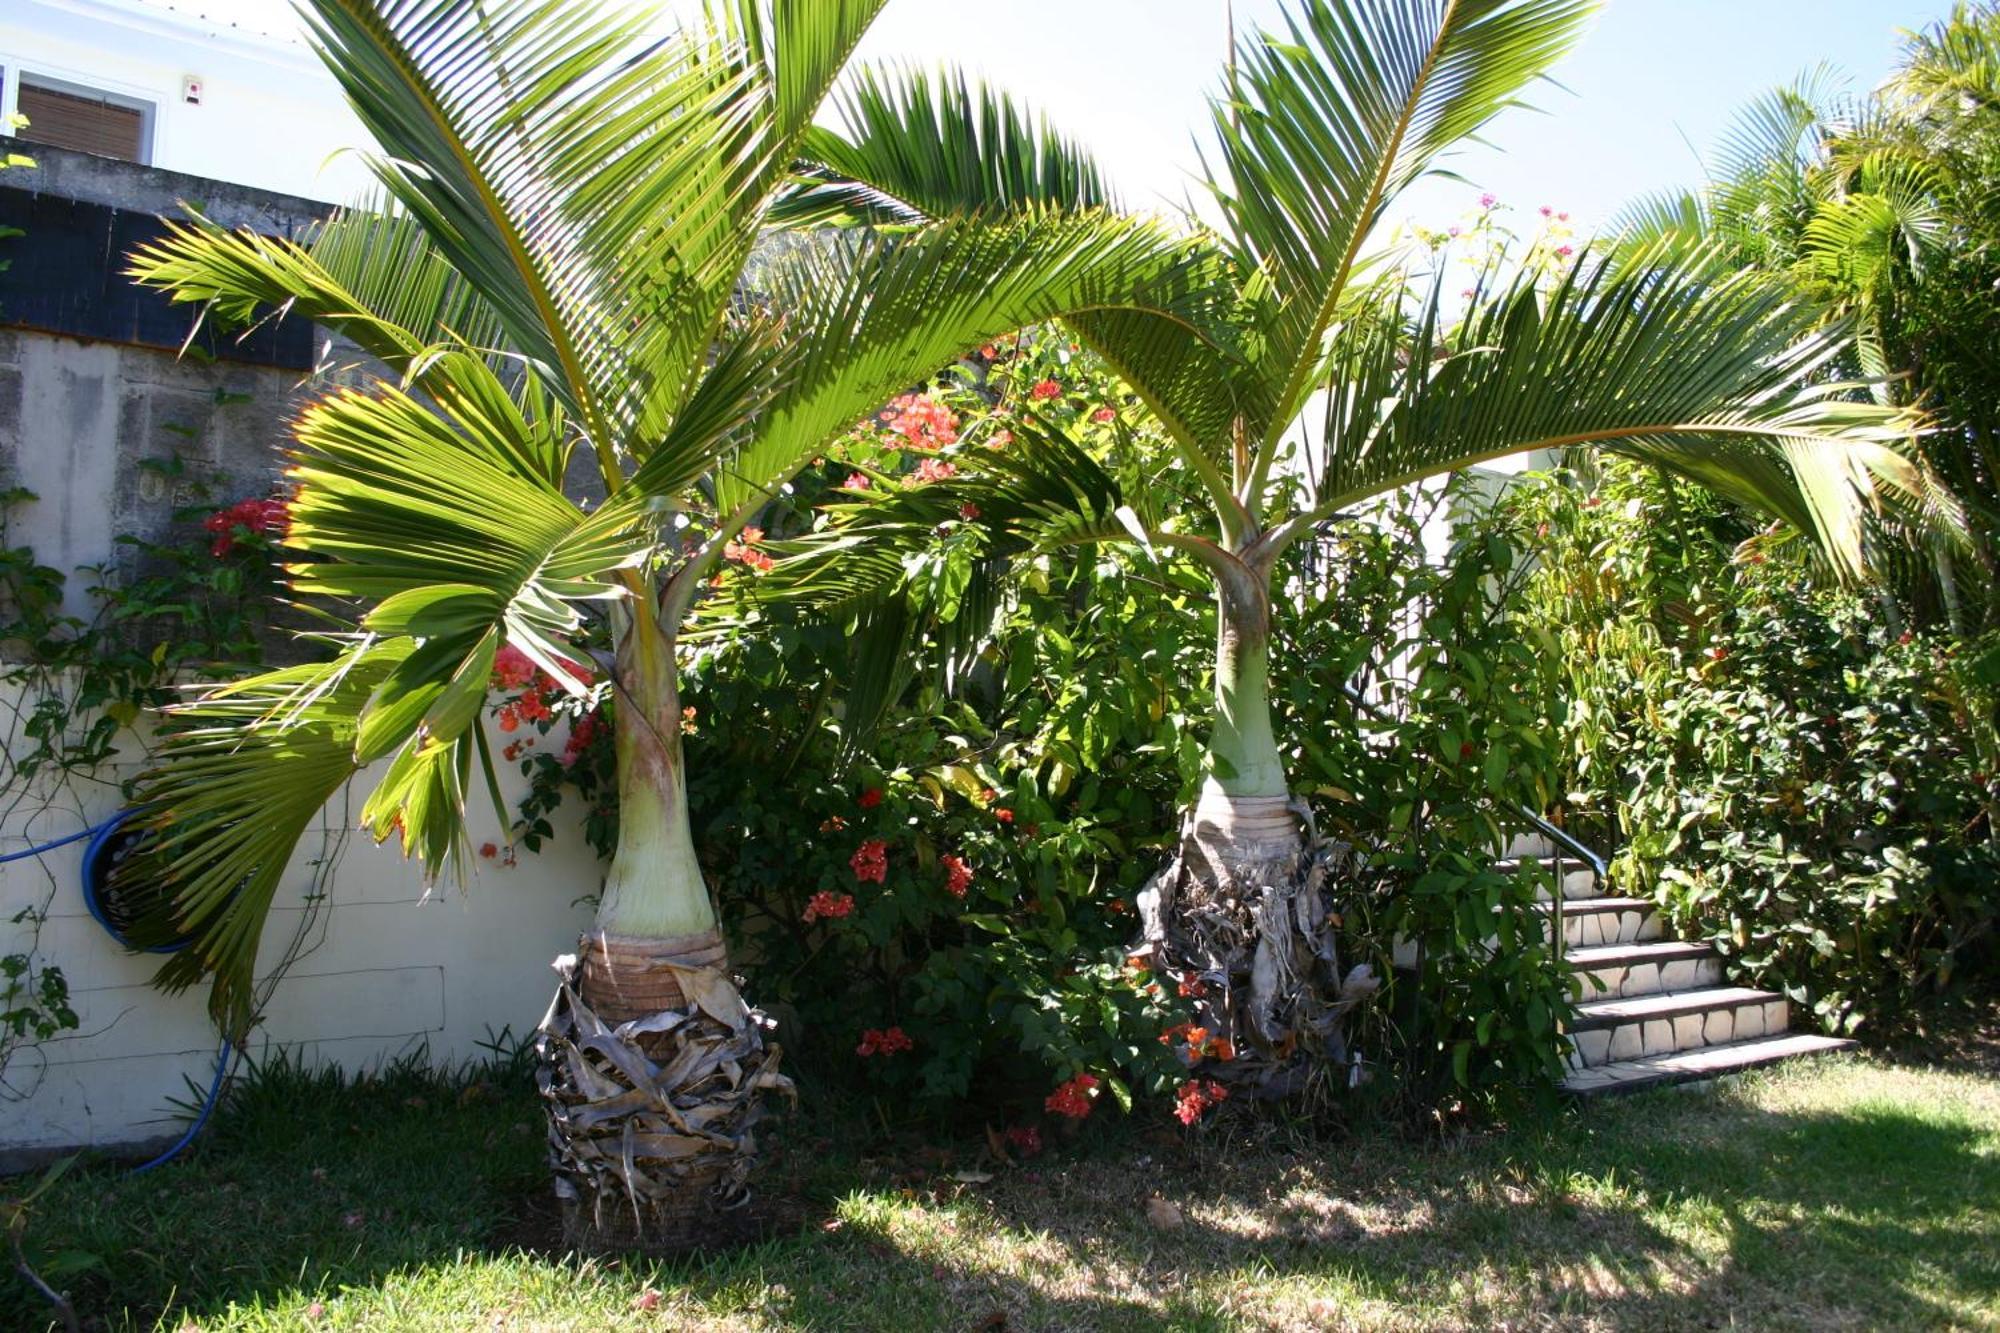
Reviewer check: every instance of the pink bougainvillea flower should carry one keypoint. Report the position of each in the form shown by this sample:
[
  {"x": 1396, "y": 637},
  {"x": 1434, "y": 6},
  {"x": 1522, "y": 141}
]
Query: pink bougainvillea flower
[
  {"x": 744, "y": 550},
  {"x": 855, "y": 482},
  {"x": 1001, "y": 439},
  {"x": 1487, "y": 201},
  {"x": 922, "y": 421},
  {"x": 934, "y": 469},
  {"x": 511, "y": 668},
  {"x": 870, "y": 862},
  {"x": 1565, "y": 251},
  {"x": 883, "y": 1041},
  {"x": 1074, "y": 1098},
  {"x": 1045, "y": 390},
  {"x": 957, "y": 875},
  {"x": 1547, "y": 211},
  {"x": 828, "y": 906},
  {"x": 582, "y": 733}
]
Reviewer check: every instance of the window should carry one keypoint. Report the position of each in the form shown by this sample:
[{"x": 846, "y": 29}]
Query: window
[{"x": 65, "y": 115}]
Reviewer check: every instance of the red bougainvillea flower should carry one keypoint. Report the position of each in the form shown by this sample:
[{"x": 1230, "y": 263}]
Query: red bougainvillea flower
[
  {"x": 828, "y": 906},
  {"x": 1025, "y": 1140},
  {"x": 987, "y": 793},
  {"x": 264, "y": 517},
  {"x": 1195, "y": 1096},
  {"x": 1074, "y": 1098},
  {"x": 957, "y": 875},
  {"x": 869, "y": 799},
  {"x": 1187, "y": 1034},
  {"x": 934, "y": 469},
  {"x": 922, "y": 421},
  {"x": 1045, "y": 390},
  {"x": 488, "y": 850},
  {"x": 832, "y": 824},
  {"x": 885, "y": 1041},
  {"x": 1103, "y": 415},
  {"x": 1004, "y": 815},
  {"x": 870, "y": 861},
  {"x": 968, "y": 511}
]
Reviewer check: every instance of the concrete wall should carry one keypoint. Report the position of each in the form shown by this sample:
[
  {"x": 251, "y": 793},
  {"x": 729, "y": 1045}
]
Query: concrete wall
[{"x": 270, "y": 115}]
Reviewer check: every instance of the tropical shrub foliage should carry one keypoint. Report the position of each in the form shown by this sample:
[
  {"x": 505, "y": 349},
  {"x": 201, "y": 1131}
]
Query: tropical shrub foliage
[
  {"x": 1428, "y": 783},
  {"x": 955, "y": 929},
  {"x": 1791, "y": 771}
]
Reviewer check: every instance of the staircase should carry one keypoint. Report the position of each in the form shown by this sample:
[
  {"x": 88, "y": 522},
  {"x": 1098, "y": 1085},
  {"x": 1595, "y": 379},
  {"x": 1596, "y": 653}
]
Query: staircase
[{"x": 1655, "y": 1009}]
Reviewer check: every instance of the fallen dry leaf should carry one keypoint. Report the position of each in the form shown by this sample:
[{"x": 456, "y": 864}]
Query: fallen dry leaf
[
  {"x": 1162, "y": 1214},
  {"x": 649, "y": 1299}
]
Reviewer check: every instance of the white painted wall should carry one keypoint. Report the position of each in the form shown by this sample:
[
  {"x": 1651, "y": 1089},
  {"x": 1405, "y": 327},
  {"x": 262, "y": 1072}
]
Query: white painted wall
[
  {"x": 389, "y": 969},
  {"x": 270, "y": 115}
]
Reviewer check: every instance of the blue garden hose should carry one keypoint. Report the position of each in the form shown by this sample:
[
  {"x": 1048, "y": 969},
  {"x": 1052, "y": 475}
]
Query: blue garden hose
[{"x": 100, "y": 834}]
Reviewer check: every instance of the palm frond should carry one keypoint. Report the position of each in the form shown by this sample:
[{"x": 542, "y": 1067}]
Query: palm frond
[
  {"x": 1720, "y": 377},
  {"x": 918, "y": 148},
  {"x": 877, "y": 317},
  {"x": 449, "y": 522},
  {"x": 590, "y": 180},
  {"x": 243, "y": 772},
  {"x": 914, "y": 145},
  {"x": 1324, "y": 125}
]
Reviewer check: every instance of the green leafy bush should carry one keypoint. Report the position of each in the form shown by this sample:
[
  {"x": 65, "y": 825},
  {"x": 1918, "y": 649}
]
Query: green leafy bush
[
  {"x": 1428, "y": 786},
  {"x": 1793, "y": 775}
]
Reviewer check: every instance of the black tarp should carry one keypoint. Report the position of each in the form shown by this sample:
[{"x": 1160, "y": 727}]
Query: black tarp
[{"x": 66, "y": 274}]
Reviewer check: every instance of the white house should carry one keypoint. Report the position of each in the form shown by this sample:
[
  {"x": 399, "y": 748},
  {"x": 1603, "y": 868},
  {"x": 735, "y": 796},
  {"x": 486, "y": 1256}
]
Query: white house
[{"x": 221, "y": 89}]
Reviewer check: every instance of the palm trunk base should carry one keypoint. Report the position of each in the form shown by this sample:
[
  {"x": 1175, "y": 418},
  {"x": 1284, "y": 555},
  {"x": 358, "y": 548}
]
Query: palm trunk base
[
  {"x": 652, "y": 1111},
  {"x": 1243, "y": 917}
]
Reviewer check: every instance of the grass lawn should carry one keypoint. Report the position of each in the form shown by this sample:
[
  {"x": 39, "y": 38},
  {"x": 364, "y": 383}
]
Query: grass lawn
[{"x": 1848, "y": 1193}]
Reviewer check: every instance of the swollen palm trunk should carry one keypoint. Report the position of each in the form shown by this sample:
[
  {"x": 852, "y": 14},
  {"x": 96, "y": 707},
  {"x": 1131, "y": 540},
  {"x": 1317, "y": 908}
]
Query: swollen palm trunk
[
  {"x": 1242, "y": 914},
  {"x": 652, "y": 1068}
]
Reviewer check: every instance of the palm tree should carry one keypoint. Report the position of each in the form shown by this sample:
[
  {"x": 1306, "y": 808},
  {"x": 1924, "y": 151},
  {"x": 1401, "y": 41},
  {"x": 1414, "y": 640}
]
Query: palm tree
[
  {"x": 554, "y": 274},
  {"x": 1881, "y": 209},
  {"x": 1319, "y": 129}
]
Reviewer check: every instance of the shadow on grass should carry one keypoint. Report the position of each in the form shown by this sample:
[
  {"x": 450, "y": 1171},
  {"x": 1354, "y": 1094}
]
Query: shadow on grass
[{"x": 1668, "y": 1211}]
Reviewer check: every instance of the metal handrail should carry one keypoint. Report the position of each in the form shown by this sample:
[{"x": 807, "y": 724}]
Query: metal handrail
[{"x": 1541, "y": 825}]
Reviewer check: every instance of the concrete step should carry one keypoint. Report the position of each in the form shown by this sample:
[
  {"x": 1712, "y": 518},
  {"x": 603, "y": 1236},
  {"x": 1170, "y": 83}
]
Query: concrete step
[
  {"x": 1610, "y": 1031},
  {"x": 1621, "y": 971},
  {"x": 1592, "y": 921},
  {"x": 1655, "y": 1071},
  {"x": 1579, "y": 881}
]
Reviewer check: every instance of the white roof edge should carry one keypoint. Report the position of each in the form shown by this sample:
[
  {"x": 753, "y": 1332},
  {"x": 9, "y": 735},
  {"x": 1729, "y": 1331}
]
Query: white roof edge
[{"x": 166, "y": 18}]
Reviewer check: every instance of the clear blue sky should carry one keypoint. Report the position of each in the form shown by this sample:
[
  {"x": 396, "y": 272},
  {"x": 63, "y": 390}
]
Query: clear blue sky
[{"x": 1652, "y": 77}]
